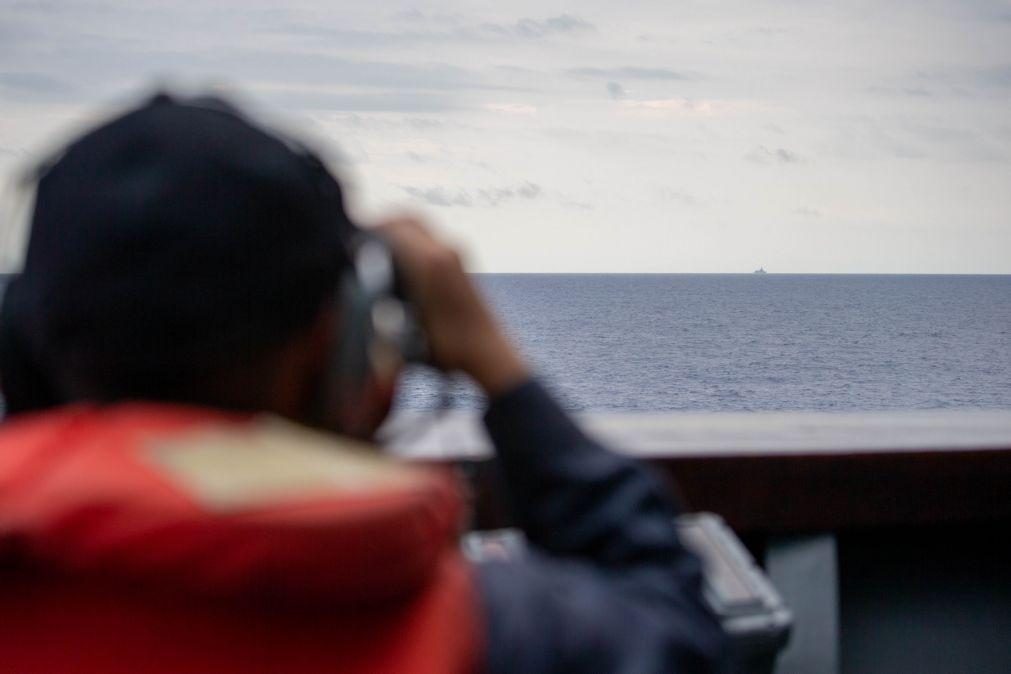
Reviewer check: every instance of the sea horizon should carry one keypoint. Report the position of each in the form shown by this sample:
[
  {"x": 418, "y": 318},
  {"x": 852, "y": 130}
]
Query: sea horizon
[
  {"x": 728, "y": 273},
  {"x": 747, "y": 342}
]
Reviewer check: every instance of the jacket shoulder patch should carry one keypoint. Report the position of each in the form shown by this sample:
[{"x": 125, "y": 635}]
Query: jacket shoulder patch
[{"x": 229, "y": 467}]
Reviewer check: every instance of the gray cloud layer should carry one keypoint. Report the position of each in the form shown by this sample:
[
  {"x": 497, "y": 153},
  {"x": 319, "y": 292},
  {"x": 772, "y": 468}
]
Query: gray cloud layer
[{"x": 700, "y": 136}]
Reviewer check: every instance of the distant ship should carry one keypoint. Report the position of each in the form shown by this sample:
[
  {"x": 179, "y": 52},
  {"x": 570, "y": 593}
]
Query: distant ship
[{"x": 760, "y": 270}]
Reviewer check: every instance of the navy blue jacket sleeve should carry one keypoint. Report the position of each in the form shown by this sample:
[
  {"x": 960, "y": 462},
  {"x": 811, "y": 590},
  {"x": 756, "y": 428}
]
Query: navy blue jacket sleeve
[{"x": 607, "y": 585}]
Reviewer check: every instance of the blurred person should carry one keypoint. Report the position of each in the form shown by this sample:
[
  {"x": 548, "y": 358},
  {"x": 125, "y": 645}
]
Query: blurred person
[{"x": 194, "y": 359}]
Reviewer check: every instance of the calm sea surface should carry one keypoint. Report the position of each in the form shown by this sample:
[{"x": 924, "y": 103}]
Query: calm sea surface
[{"x": 754, "y": 342}]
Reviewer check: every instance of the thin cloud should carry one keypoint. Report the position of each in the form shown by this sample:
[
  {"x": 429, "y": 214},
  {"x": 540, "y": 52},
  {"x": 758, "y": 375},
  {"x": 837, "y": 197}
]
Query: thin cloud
[
  {"x": 487, "y": 196},
  {"x": 687, "y": 106},
  {"x": 964, "y": 81},
  {"x": 424, "y": 28},
  {"x": 393, "y": 101},
  {"x": 332, "y": 70},
  {"x": 528, "y": 190},
  {"x": 629, "y": 73},
  {"x": 533, "y": 29},
  {"x": 918, "y": 92},
  {"x": 998, "y": 76},
  {"x": 583, "y": 206},
  {"x": 615, "y": 90},
  {"x": 440, "y": 196},
  {"x": 681, "y": 197},
  {"x": 952, "y": 142},
  {"x": 92, "y": 70},
  {"x": 775, "y": 155},
  {"x": 27, "y": 84},
  {"x": 511, "y": 108},
  {"x": 914, "y": 138}
]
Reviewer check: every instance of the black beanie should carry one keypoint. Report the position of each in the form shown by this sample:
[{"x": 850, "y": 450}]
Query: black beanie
[{"x": 175, "y": 240}]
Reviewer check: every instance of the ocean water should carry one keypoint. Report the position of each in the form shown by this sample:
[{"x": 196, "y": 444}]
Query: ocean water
[{"x": 712, "y": 342}]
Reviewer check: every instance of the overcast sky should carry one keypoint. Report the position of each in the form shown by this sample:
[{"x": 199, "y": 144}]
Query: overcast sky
[{"x": 633, "y": 136}]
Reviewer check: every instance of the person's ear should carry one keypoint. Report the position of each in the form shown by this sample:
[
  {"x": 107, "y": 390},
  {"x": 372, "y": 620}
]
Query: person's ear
[
  {"x": 321, "y": 338},
  {"x": 304, "y": 366}
]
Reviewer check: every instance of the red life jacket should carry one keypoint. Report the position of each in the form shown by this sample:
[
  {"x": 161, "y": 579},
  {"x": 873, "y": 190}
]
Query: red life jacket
[{"x": 155, "y": 538}]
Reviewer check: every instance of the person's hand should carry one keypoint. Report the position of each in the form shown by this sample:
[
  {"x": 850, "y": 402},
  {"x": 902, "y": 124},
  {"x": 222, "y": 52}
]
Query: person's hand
[{"x": 462, "y": 332}]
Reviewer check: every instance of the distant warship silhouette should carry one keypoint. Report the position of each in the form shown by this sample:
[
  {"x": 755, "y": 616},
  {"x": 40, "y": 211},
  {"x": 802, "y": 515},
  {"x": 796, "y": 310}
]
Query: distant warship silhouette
[{"x": 760, "y": 270}]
